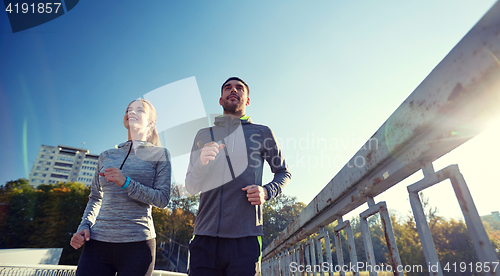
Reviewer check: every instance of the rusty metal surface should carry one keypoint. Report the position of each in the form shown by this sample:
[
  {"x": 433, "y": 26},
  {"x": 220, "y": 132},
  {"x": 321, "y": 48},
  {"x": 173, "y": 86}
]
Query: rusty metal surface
[
  {"x": 313, "y": 251},
  {"x": 346, "y": 226},
  {"x": 485, "y": 252},
  {"x": 457, "y": 97},
  {"x": 367, "y": 241},
  {"x": 326, "y": 236},
  {"x": 424, "y": 233},
  {"x": 338, "y": 250},
  {"x": 430, "y": 178},
  {"x": 483, "y": 247},
  {"x": 380, "y": 208},
  {"x": 390, "y": 240},
  {"x": 319, "y": 252},
  {"x": 352, "y": 247}
]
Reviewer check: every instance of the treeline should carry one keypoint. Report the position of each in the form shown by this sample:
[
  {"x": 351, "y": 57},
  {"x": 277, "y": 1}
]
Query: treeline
[{"x": 47, "y": 217}]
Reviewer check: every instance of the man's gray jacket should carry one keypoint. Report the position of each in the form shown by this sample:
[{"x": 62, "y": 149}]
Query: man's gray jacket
[{"x": 224, "y": 209}]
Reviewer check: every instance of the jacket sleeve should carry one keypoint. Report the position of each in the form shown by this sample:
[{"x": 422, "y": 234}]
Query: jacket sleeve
[
  {"x": 196, "y": 171},
  {"x": 94, "y": 203},
  {"x": 276, "y": 161},
  {"x": 159, "y": 194}
]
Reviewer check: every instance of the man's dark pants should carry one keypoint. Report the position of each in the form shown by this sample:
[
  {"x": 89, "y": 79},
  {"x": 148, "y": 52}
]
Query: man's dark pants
[{"x": 224, "y": 256}]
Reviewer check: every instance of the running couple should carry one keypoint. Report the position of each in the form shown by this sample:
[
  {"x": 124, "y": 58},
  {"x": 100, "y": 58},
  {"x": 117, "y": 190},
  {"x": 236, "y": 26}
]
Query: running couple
[{"x": 226, "y": 167}]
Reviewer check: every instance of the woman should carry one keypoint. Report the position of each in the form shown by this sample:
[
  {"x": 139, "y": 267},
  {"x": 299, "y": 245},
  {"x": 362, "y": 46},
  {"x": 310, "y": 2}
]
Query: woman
[{"x": 117, "y": 226}]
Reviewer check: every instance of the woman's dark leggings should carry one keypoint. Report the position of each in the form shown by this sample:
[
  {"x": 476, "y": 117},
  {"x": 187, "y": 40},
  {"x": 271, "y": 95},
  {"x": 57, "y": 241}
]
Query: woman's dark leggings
[{"x": 105, "y": 258}]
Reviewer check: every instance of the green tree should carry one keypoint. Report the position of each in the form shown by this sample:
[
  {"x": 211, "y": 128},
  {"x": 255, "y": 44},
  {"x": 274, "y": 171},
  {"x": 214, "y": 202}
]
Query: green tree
[
  {"x": 177, "y": 221},
  {"x": 277, "y": 214},
  {"x": 44, "y": 217},
  {"x": 408, "y": 243},
  {"x": 18, "y": 201}
]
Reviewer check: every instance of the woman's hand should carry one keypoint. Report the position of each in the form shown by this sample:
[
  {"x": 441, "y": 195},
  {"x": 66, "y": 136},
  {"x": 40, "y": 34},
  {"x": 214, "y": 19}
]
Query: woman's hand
[
  {"x": 80, "y": 238},
  {"x": 114, "y": 175}
]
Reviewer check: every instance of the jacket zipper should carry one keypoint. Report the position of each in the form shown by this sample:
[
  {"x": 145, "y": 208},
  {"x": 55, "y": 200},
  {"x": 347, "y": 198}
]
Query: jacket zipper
[{"x": 220, "y": 209}]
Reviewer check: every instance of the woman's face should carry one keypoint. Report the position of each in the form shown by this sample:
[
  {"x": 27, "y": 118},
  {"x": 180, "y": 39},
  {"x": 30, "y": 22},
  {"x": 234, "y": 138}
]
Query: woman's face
[{"x": 136, "y": 116}]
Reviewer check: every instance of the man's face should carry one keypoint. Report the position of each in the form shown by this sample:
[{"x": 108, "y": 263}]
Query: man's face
[{"x": 234, "y": 97}]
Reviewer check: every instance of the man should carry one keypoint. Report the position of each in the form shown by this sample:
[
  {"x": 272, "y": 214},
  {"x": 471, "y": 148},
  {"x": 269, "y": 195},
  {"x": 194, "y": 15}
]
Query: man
[{"x": 226, "y": 166}]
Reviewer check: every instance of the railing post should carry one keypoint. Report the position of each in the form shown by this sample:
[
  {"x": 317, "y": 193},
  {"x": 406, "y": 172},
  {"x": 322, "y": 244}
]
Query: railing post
[
  {"x": 381, "y": 208},
  {"x": 423, "y": 229},
  {"x": 346, "y": 225},
  {"x": 424, "y": 232},
  {"x": 390, "y": 239},
  {"x": 287, "y": 263},
  {"x": 484, "y": 249},
  {"x": 367, "y": 240},
  {"x": 313, "y": 254},
  {"x": 327, "y": 246},
  {"x": 338, "y": 247},
  {"x": 178, "y": 255},
  {"x": 320, "y": 252},
  {"x": 352, "y": 247},
  {"x": 303, "y": 253},
  {"x": 482, "y": 245}
]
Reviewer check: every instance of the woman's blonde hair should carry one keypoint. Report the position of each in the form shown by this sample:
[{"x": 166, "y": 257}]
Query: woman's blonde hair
[{"x": 152, "y": 135}]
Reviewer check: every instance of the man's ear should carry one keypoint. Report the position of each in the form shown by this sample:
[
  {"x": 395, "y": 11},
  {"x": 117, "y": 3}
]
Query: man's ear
[
  {"x": 248, "y": 102},
  {"x": 220, "y": 101}
]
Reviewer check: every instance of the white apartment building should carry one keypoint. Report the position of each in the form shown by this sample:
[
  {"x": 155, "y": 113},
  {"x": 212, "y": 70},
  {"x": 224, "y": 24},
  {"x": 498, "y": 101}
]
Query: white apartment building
[{"x": 63, "y": 164}]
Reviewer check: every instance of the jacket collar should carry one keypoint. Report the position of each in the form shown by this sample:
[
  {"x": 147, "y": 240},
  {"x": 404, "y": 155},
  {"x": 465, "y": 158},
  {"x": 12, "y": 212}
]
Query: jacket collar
[
  {"x": 227, "y": 120},
  {"x": 142, "y": 144}
]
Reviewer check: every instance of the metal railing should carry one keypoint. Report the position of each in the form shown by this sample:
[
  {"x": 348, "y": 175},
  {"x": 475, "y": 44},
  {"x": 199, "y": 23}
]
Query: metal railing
[
  {"x": 172, "y": 249},
  {"x": 57, "y": 270},
  {"x": 463, "y": 91}
]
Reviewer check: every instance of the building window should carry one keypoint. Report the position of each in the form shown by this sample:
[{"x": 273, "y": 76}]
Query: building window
[
  {"x": 35, "y": 174},
  {"x": 87, "y": 173},
  {"x": 43, "y": 156},
  {"x": 51, "y": 157},
  {"x": 53, "y": 151},
  {"x": 37, "y": 167},
  {"x": 63, "y": 164},
  {"x": 46, "y": 169},
  {"x": 78, "y": 162},
  {"x": 40, "y": 162},
  {"x": 61, "y": 171},
  {"x": 80, "y": 157},
  {"x": 59, "y": 176},
  {"x": 44, "y": 175},
  {"x": 41, "y": 181},
  {"x": 33, "y": 180},
  {"x": 48, "y": 163},
  {"x": 66, "y": 159}
]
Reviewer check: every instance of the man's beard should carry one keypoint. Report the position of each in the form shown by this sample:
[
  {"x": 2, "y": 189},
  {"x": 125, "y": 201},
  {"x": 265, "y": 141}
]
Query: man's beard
[{"x": 229, "y": 108}]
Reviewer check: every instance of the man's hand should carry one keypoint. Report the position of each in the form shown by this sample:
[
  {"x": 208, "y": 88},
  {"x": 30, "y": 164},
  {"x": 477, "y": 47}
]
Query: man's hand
[
  {"x": 80, "y": 238},
  {"x": 257, "y": 195},
  {"x": 114, "y": 175},
  {"x": 209, "y": 151}
]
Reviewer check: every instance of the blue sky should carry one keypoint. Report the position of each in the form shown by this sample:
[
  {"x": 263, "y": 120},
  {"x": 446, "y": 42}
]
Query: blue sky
[{"x": 333, "y": 70}]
